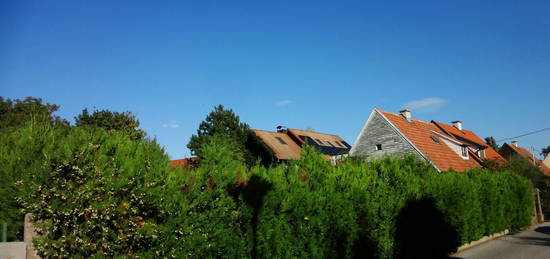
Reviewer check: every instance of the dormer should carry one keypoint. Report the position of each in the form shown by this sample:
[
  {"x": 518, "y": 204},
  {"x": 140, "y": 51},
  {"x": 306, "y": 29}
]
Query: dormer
[{"x": 458, "y": 147}]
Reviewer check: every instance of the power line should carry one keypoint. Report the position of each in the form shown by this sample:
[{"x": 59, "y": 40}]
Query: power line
[{"x": 523, "y": 135}]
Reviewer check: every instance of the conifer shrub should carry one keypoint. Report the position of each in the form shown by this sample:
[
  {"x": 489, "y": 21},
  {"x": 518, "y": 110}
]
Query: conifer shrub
[
  {"x": 23, "y": 152},
  {"x": 103, "y": 194},
  {"x": 91, "y": 193},
  {"x": 206, "y": 218}
]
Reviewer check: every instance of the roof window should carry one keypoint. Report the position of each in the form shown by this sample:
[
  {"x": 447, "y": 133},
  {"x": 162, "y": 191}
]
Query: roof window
[
  {"x": 319, "y": 141},
  {"x": 338, "y": 143},
  {"x": 281, "y": 140},
  {"x": 435, "y": 140}
]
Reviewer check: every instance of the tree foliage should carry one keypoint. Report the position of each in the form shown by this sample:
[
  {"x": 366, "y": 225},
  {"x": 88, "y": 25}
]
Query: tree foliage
[
  {"x": 492, "y": 143},
  {"x": 91, "y": 192},
  {"x": 225, "y": 123},
  {"x": 125, "y": 122},
  {"x": 102, "y": 194},
  {"x": 527, "y": 169},
  {"x": 15, "y": 113},
  {"x": 544, "y": 152}
]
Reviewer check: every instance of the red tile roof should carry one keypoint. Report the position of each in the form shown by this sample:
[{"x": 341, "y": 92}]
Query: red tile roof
[
  {"x": 490, "y": 153},
  {"x": 185, "y": 162},
  {"x": 529, "y": 156},
  {"x": 420, "y": 133}
]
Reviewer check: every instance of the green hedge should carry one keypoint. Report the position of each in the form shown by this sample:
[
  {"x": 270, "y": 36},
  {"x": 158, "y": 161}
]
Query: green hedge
[
  {"x": 92, "y": 193},
  {"x": 103, "y": 194}
]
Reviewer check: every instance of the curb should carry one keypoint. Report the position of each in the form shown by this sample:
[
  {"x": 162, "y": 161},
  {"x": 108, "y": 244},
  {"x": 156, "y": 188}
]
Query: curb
[{"x": 482, "y": 240}]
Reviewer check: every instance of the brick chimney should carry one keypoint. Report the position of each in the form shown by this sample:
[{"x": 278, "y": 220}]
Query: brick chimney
[
  {"x": 406, "y": 114},
  {"x": 457, "y": 124}
]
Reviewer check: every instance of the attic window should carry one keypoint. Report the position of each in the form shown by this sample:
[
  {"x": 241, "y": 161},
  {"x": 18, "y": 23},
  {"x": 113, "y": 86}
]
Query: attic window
[
  {"x": 330, "y": 143},
  {"x": 435, "y": 139},
  {"x": 319, "y": 141},
  {"x": 378, "y": 146},
  {"x": 481, "y": 153},
  {"x": 281, "y": 140},
  {"x": 464, "y": 152},
  {"x": 338, "y": 143}
]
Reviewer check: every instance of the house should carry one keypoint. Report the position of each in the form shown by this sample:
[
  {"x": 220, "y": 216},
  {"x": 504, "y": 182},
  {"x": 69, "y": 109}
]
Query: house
[
  {"x": 286, "y": 143},
  {"x": 444, "y": 146},
  {"x": 185, "y": 162},
  {"x": 475, "y": 143},
  {"x": 546, "y": 161},
  {"x": 513, "y": 149}
]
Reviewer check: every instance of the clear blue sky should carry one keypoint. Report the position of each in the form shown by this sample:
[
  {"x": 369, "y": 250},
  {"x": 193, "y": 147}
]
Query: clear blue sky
[{"x": 300, "y": 64}]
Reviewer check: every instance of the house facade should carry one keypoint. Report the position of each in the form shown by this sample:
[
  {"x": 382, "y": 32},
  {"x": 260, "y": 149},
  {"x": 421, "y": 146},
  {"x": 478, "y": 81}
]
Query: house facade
[{"x": 444, "y": 146}]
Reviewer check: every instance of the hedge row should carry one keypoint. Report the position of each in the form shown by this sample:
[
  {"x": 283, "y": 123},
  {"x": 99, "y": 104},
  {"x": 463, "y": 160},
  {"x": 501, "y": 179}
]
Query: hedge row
[{"x": 97, "y": 193}]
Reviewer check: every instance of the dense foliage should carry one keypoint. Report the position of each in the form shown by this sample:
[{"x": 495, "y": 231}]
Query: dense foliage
[
  {"x": 15, "y": 113},
  {"x": 124, "y": 122},
  {"x": 545, "y": 151},
  {"x": 91, "y": 192},
  {"x": 104, "y": 194},
  {"x": 225, "y": 123},
  {"x": 98, "y": 191},
  {"x": 525, "y": 168}
]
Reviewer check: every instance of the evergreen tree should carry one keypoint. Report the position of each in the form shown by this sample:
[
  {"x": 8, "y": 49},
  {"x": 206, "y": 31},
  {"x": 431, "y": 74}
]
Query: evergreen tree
[
  {"x": 15, "y": 113},
  {"x": 545, "y": 151},
  {"x": 226, "y": 124},
  {"x": 125, "y": 122},
  {"x": 492, "y": 143}
]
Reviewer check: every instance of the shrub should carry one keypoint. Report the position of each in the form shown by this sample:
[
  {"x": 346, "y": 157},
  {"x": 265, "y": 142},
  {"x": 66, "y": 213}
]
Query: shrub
[
  {"x": 98, "y": 193},
  {"x": 95, "y": 194}
]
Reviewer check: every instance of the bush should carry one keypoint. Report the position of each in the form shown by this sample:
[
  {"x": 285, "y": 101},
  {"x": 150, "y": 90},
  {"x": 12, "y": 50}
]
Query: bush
[
  {"x": 92, "y": 193},
  {"x": 102, "y": 194},
  {"x": 23, "y": 152}
]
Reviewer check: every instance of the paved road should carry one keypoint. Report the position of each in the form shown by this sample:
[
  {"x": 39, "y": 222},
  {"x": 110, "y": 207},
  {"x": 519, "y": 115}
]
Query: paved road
[{"x": 529, "y": 244}]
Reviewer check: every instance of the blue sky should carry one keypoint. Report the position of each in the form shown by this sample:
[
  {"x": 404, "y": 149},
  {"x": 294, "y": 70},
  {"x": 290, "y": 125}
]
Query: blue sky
[{"x": 319, "y": 64}]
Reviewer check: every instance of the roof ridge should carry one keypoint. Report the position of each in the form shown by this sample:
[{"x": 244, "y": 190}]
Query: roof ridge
[{"x": 314, "y": 132}]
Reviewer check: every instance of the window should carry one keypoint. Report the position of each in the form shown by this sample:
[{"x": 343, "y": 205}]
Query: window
[
  {"x": 378, "y": 146},
  {"x": 338, "y": 143},
  {"x": 330, "y": 143},
  {"x": 435, "y": 139},
  {"x": 319, "y": 141},
  {"x": 281, "y": 140},
  {"x": 464, "y": 152},
  {"x": 481, "y": 153}
]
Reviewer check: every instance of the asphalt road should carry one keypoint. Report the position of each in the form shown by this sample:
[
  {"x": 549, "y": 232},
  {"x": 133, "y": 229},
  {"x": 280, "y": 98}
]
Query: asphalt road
[{"x": 529, "y": 244}]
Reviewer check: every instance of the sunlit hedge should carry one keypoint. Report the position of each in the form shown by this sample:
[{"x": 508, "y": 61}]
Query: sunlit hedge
[
  {"x": 92, "y": 193},
  {"x": 99, "y": 194}
]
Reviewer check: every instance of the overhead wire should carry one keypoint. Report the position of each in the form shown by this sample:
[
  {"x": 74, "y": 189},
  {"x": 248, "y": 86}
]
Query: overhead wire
[{"x": 523, "y": 135}]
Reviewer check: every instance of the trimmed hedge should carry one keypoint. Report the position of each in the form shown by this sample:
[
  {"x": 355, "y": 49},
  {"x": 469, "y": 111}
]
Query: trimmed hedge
[{"x": 103, "y": 194}]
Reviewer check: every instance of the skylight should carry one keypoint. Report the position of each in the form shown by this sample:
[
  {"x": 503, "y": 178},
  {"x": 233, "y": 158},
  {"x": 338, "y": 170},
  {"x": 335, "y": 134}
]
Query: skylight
[{"x": 281, "y": 140}]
